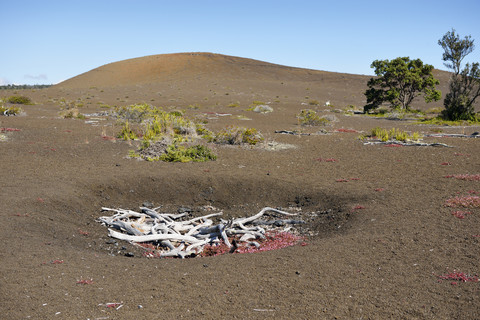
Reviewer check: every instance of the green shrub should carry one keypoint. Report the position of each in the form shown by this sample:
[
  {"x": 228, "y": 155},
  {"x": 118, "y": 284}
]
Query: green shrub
[
  {"x": 197, "y": 153},
  {"x": 19, "y": 100},
  {"x": 137, "y": 112},
  {"x": 308, "y": 117}
]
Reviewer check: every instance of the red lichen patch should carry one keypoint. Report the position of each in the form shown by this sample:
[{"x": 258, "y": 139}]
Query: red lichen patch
[
  {"x": 109, "y": 138},
  {"x": 467, "y": 177},
  {"x": 341, "y": 180},
  {"x": 326, "y": 160},
  {"x": 354, "y": 179},
  {"x": 85, "y": 281},
  {"x": 457, "y": 276},
  {"x": 56, "y": 261},
  {"x": 83, "y": 233},
  {"x": 346, "y": 130},
  {"x": 461, "y": 154},
  {"x": 460, "y": 214},
  {"x": 273, "y": 240},
  {"x": 445, "y": 164},
  {"x": 464, "y": 201},
  {"x": 9, "y": 129},
  {"x": 358, "y": 207},
  {"x": 379, "y": 189}
]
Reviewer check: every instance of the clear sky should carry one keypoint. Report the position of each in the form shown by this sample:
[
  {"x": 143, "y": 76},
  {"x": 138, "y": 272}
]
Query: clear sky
[{"x": 45, "y": 42}]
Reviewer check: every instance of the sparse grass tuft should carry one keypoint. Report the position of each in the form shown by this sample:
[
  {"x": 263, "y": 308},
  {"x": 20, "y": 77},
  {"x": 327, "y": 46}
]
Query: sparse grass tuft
[
  {"x": 392, "y": 134},
  {"x": 127, "y": 133},
  {"x": 441, "y": 122},
  {"x": 196, "y": 153}
]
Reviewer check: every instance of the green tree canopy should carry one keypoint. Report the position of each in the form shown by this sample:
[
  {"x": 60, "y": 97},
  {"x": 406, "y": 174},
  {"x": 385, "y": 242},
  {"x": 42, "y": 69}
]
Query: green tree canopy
[
  {"x": 464, "y": 84},
  {"x": 399, "y": 81}
]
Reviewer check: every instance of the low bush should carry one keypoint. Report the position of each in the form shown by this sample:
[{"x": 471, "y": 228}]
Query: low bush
[
  {"x": 19, "y": 100},
  {"x": 72, "y": 114},
  {"x": 308, "y": 117},
  {"x": 237, "y": 135}
]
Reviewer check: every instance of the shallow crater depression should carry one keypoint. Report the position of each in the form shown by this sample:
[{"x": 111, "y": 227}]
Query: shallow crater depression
[{"x": 322, "y": 214}]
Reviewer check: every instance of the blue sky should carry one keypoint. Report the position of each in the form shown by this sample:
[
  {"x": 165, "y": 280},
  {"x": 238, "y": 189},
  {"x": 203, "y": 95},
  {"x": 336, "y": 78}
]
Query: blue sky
[{"x": 51, "y": 41}]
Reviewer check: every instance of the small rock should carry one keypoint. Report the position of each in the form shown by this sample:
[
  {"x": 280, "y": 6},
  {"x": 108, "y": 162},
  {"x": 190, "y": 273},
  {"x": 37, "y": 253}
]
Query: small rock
[
  {"x": 129, "y": 254},
  {"x": 111, "y": 241},
  {"x": 184, "y": 209},
  {"x": 205, "y": 265},
  {"x": 297, "y": 272},
  {"x": 147, "y": 204},
  {"x": 123, "y": 248}
]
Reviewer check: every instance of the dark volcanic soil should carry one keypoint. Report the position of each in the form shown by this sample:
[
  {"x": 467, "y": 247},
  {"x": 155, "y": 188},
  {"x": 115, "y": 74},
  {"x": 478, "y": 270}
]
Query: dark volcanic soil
[{"x": 379, "y": 262}]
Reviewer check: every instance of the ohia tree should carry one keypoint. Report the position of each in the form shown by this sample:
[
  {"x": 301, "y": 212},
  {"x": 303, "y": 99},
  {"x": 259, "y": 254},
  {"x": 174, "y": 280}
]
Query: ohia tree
[{"x": 399, "y": 81}]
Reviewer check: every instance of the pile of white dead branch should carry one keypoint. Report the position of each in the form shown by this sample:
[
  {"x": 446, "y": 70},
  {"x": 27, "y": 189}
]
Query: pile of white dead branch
[{"x": 177, "y": 237}]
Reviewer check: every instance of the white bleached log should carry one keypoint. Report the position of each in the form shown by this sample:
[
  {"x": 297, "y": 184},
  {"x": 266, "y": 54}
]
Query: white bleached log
[{"x": 151, "y": 237}]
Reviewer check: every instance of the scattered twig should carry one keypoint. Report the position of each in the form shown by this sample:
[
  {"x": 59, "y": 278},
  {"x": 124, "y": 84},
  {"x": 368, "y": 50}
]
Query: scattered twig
[
  {"x": 453, "y": 135},
  {"x": 409, "y": 144}
]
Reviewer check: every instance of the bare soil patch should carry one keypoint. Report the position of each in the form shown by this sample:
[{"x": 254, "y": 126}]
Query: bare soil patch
[{"x": 382, "y": 243}]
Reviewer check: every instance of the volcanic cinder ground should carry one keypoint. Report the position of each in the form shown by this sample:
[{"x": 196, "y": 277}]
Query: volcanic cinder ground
[{"x": 381, "y": 239}]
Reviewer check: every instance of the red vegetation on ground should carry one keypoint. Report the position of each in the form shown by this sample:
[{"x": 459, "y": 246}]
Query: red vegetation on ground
[
  {"x": 358, "y": 207},
  {"x": 85, "y": 281},
  {"x": 468, "y": 177},
  {"x": 326, "y": 160},
  {"x": 463, "y": 201},
  {"x": 83, "y": 233},
  {"x": 460, "y": 214},
  {"x": 458, "y": 276},
  {"x": 56, "y": 261},
  {"x": 273, "y": 240},
  {"x": 347, "y": 130},
  {"x": 9, "y": 129}
]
